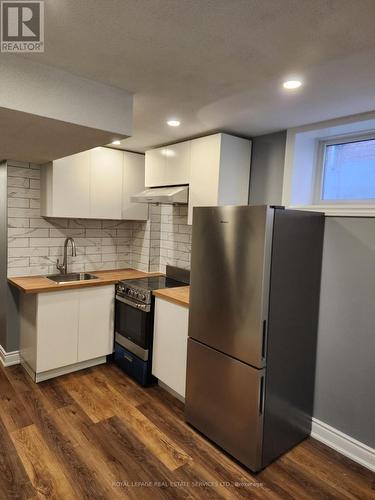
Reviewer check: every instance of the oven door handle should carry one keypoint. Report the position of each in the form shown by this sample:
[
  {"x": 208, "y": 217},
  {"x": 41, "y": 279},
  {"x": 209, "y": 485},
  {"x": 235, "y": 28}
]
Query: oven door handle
[{"x": 140, "y": 307}]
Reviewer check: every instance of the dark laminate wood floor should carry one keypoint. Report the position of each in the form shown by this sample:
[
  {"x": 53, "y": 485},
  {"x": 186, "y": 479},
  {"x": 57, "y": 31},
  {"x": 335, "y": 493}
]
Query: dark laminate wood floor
[{"x": 96, "y": 434}]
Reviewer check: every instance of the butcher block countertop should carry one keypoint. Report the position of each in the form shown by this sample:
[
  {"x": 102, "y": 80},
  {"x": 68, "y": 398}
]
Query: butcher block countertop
[
  {"x": 41, "y": 284},
  {"x": 179, "y": 295}
]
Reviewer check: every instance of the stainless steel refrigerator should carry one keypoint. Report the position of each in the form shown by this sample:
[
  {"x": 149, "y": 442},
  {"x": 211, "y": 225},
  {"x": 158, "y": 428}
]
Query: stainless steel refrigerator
[{"x": 255, "y": 282}]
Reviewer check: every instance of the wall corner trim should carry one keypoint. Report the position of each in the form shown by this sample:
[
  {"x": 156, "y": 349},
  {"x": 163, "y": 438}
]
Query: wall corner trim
[
  {"x": 344, "y": 444},
  {"x": 9, "y": 358}
]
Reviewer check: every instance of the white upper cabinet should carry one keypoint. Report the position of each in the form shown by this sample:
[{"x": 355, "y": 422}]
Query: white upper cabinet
[
  {"x": 168, "y": 166},
  {"x": 177, "y": 170},
  {"x": 216, "y": 168},
  {"x": 220, "y": 171},
  {"x": 95, "y": 184},
  {"x": 106, "y": 183},
  {"x": 155, "y": 167},
  {"x": 133, "y": 183},
  {"x": 65, "y": 187}
]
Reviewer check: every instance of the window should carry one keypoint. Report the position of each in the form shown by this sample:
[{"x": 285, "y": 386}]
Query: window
[{"x": 346, "y": 171}]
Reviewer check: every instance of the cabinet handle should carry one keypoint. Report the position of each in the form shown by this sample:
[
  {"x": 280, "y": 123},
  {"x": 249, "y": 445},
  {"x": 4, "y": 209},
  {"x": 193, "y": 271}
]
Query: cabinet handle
[{"x": 128, "y": 358}]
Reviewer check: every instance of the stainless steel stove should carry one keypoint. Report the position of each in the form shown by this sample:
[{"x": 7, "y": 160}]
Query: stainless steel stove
[{"x": 134, "y": 323}]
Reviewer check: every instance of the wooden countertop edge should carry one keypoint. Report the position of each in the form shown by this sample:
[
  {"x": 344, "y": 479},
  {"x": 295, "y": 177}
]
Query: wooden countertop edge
[
  {"x": 66, "y": 286},
  {"x": 54, "y": 287},
  {"x": 165, "y": 294}
]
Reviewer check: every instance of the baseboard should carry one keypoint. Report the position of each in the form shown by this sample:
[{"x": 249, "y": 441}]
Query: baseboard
[
  {"x": 40, "y": 377},
  {"x": 344, "y": 444},
  {"x": 9, "y": 358},
  {"x": 171, "y": 391}
]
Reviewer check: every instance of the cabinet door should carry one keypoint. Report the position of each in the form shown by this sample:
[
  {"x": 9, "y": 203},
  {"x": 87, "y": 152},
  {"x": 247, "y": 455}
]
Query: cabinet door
[
  {"x": 204, "y": 175},
  {"x": 96, "y": 322},
  {"x": 156, "y": 162},
  {"x": 178, "y": 164},
  {"x": 57, "y": 330},
  {"x": 106, "y": 183},
  {"x": 170, "y": 344},
  {"x": 70, "y": 186},
  {"x": 133, "y": 183}
]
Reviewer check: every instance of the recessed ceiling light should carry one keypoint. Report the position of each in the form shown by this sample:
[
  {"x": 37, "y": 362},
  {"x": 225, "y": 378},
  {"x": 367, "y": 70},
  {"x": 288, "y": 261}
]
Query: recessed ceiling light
[
  {"x": 168, "y": 152},
  {"x": 174, "y": 123},
  {"x": 116, "y": 143},
  {"x": 292, "y": 84}
]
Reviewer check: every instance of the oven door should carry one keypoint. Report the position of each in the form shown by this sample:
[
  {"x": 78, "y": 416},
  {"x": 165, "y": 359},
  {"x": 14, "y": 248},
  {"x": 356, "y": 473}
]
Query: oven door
[{"x": 133, "y": 324}]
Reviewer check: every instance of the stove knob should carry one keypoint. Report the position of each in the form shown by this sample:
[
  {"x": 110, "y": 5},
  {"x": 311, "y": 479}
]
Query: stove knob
[{"x": 143, "y": 296}]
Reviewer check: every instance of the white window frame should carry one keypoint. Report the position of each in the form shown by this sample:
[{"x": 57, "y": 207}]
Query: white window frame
[{"x": 319, "y": 169}]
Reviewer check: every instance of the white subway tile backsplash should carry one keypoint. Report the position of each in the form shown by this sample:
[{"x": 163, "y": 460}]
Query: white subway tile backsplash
[
  {"x": 34, "y": 203},
  {"x": 23, "y": 212},
  {"x": 63, "y": 233},
  {"x": 101, "y": 233},
  {"x": 18, "y": 203},
  {"x": 27, "y": 252},
  {"x": 83, "y": 223},
  {"x": 18, "y": 242},
  {"x": 17, "y": 192},
  {"x": 15, "y": 163},
  {"x": 28, "y": 232},
  {"x": 18, "y": 261},
  {"x": 23, "y": 172},
  {"x": 42, "y": 260},
  {"x": 18, "y": 222},
  {"x": 23, "y": 182}
]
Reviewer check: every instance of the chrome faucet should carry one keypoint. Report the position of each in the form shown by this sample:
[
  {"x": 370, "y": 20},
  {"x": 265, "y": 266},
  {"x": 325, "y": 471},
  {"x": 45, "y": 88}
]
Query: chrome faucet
[{"x": 63, "y": 268}]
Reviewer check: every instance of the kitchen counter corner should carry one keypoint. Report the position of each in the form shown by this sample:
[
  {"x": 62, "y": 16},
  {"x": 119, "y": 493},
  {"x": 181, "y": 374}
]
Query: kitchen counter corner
[{"x": 179, "y": 295}]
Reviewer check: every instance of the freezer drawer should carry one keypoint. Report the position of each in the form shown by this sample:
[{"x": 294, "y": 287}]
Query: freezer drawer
[{"x": 224, "y": 400}]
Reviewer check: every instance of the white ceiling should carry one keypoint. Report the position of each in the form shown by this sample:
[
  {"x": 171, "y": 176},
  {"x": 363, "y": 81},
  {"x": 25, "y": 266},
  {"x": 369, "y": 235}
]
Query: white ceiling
[{"x": 219, "y": 64}]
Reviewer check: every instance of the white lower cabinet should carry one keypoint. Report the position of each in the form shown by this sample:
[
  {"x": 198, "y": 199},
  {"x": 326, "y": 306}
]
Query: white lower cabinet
[
  {"x": 170, "y": 344},
  {"x": 57, "y": 319},
  {"x": 63, "y": 330},
  {"x": 96, "y": 323}
]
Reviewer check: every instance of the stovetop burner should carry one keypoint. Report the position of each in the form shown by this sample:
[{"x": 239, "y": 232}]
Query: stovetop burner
[
  {"x": 139, "y": 290},
  {"x": 153, "y": 283}
]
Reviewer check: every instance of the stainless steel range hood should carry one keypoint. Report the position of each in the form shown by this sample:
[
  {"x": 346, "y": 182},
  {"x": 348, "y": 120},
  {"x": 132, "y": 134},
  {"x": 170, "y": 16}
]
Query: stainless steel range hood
[{"x": 172, "y": 195}]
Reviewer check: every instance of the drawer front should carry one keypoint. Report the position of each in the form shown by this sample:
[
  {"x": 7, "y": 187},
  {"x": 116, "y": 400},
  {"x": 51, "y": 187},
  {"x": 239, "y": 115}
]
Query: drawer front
[{"x": 132, "y": 365}]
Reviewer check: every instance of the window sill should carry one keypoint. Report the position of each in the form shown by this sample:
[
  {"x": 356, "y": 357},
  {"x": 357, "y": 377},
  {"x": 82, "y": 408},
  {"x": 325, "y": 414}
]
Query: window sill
[{"x": 339, "y": 210}]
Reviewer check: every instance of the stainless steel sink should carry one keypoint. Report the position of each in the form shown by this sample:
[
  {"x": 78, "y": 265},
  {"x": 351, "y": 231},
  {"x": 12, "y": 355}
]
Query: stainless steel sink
[{"x": 68, "y": 278}]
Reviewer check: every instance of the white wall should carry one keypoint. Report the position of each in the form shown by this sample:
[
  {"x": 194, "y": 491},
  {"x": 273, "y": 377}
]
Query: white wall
[{"x": 42, "y": 90}]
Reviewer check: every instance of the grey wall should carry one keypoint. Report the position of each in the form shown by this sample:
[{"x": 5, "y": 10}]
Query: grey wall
[
  {"x": 345, "y": 374},
  {"x": 344, "y": 393},
  {"x": 3, "y": 253},
  {"x": 267, "y": 169},
  {"x": 9, "y": 319}
]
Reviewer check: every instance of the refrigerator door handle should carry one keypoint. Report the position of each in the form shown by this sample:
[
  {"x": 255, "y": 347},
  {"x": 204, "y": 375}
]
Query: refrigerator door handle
[
  {"x": 261, "y": 395},
  {"x": 264, "y": 335}
]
